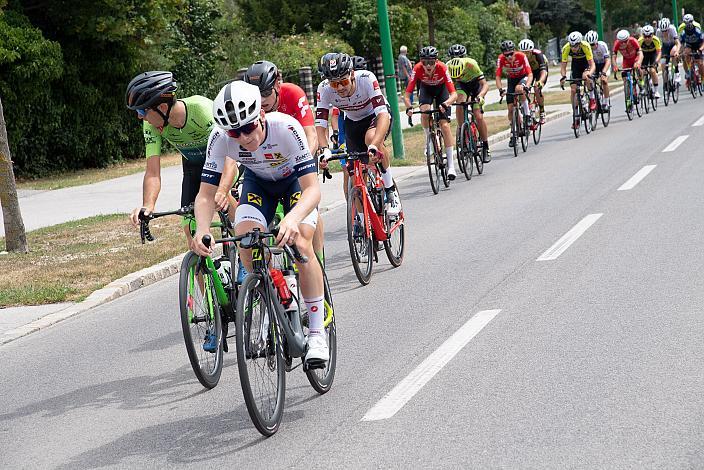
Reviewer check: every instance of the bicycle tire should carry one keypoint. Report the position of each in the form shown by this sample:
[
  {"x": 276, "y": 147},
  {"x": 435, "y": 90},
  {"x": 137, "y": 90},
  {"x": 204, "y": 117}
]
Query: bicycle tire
[
  {"x": 576, "y": 116},
  {"x": 433, "y": 170},
  {"x": 524, "y": 133},
  {"x": 195, "y": 325},
  {"x": 646, "y": 95},
  {"x": 440, "y": 158},
  {"x": 514, "y": 133},
  {"x": 359, "y": 244},
  {"x": 606, "y": 116},
  {"x": 263, "y": 354},
  {"x": 466, "y": 151},
  {"x": 639, "y": 105},
  {"x": 321, "y": 379},
  {"x": 666, "y": 86},
  {"x": 458, "y": 149},
  {"x": 628, "y": 98},
  {"x": 395, "y": 256},
  {"x": 676, "y": 92}
]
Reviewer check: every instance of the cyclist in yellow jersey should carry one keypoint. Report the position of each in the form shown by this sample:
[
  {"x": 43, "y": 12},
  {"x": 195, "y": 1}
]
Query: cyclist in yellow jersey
[
  {"x": 582, "y": 66},
  {"x": 652, "y": 50},
  {"x": 687, "y": 19}
]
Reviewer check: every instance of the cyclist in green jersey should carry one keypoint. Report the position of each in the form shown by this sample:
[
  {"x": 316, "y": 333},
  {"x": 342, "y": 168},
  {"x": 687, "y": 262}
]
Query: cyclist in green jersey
[
  {"x": 184, "y": 123},
  {"x": 471, "y": 84}
]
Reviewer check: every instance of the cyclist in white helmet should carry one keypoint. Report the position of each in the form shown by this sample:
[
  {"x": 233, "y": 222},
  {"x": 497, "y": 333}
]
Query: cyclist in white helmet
[
  {"x": 602, "y": 61},
  {"x": 670, "y": 40},
  {"x": 539, "y": 65},
  {"x": 582, "y": 66}
]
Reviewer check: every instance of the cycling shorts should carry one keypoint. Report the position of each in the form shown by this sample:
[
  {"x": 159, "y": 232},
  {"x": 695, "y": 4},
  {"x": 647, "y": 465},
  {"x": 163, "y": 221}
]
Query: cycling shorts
[
  {"x": 536, "y": 77},
  {"x": 259, "y": 198},
  {"x": 649, "y": 58},
  {"x": 190, "y": 184},
  {"x": 579, "y": 66},
  {"x": 471, "y": 91},
  {"x": 437, "y": 94},
  {"x": 600, "y": 68},
  {"x": 666, "y": 49},
  {"x": 511, "y": 87},
  {"x": 355, "y": 131}
]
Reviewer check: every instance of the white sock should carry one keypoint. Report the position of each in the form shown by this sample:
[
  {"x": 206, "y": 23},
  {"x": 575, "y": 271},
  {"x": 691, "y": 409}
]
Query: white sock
[
  {"x": 316, "y": 316},
  {"x": 526, "y": 109},
  {"x": 448, "y": 153},
  {"x": 387, "y": 178}
]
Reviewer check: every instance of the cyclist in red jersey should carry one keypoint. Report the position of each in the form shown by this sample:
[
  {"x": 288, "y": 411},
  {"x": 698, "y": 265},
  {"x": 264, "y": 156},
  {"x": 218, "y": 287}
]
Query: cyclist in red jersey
[
  {"x": 435, "y": 86},
  {"x": 631, "y": 52},
  {"x": 519, "y": 76}
]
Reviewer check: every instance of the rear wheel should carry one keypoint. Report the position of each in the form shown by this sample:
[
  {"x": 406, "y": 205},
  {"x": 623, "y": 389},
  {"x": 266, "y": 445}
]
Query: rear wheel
[
  {"x": 359, "y": 238},
  {"x": 200, "y": 319}
]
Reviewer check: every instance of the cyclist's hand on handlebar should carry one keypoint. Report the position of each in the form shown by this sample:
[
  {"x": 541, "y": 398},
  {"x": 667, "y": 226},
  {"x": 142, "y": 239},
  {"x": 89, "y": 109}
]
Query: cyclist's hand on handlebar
[
  {"x": 374, "y": 153},
  {"x": 288, "y": 231},
  {"x": 134, "y": 216},
  {"x": 324, "y": 154},
  {"x": 198, "y": 247},
  {"x": 409, "y": 111}
]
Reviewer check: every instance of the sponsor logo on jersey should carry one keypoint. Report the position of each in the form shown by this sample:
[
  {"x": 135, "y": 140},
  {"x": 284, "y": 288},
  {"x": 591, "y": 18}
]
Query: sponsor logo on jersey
[
  {"x": 214, "y": 139},
  {"x": 267, "y": 147},
  {"x": 287, "y": 172},
  {"x": 211, "y": 165},
  {"x": 298, "y": 137},
  {"x": 376, "y": 85},
  {"x": 248, "y": 160},
  {"x": 254, "y": 199},
  {"x": 302, "y": 158},
  {"x": 294, "y": 198}
]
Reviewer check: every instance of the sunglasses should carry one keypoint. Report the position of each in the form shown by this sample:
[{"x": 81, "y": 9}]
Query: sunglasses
[
  {"x": 429, "y": 62},
  {"x": 340, "y": 83},
  {"x": 142, "y": 113},
  {"x": 266, "y": 93},
  {"x": 246, "y": 129},
  {"x": 508, "y": 53}
]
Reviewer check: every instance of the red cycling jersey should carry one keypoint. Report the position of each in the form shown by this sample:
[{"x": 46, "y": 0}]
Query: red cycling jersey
[
  {"x": 629, "y": 49},
  {"x": 440, "y": 75},
  {"x": 516, "y": 66},
  {"x": 293, "y": 101}
]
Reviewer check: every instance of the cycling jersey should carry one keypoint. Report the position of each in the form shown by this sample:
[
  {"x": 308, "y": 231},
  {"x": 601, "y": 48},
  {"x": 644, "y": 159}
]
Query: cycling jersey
[
  {"x": 654, "y": 46},
  {"x": 600, "y": 53},
  {"x": 365, "y": 101},
  {"x": 583, "y": 53},
  {"x": 680, "y": 28},
  {"x": 283, "y": 154},
  {"x": 470, "y": 71},
  {"x": 668, "y": 38},
  {"x": 693, "y": 39},
  {"x": 537, "y": 61},
  {"x": 293, "y": 101},
  {"x": 192, "y": 139},
  {"x": 516, "y": 66},
  {"x": 629, "y": 49},
  {"x": 439, "y": 76}
]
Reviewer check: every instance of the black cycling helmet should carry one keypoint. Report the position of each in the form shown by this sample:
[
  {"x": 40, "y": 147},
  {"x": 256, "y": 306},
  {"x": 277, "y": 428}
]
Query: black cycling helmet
[
  {"x": 359, "y": 62},
  {"x": 507, "y": 46},
  {"x": 457, "y": 50},
  {"x": 324, "y": 58},
  {"x": 429, "y": 52},
  {"x": 263, "y": 74},
  {"x": 150, "y": 89},
  {"x": 336, "y": 65}
]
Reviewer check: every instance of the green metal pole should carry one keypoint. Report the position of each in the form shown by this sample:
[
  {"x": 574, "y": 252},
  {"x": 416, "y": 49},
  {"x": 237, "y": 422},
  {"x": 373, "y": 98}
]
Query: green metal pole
[
  {"x": 387, "y": 55},
  {"x": 599, "y": 22},
  {"x": 675, "y": 20}
]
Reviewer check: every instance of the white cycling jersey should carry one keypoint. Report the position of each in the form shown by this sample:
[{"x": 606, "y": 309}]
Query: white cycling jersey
[
  {"x": 601, "y": 53},
  {"x": 366, "y": 100},
  {"x": 283, "y": 153},
  {"x": 668, "y": 37}
]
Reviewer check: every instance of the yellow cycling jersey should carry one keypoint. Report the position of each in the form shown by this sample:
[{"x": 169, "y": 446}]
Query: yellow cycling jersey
[
  {"x": 680, "y": 28},
  {"x": 583, "y": 53},
  {"x": 654, "y": 46}
]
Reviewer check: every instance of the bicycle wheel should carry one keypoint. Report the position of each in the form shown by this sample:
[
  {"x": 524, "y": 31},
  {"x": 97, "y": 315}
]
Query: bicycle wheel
[
  {"x": 645, "y": 97},
  {"x": 537, "y": 126},
  {"x": 524, "y": 132},
  {"x": 666, "y": 86},
  {"x": 360, "y": 244},
  {"x": 514, "y": 130},
  {"x": 628, "y": 96},
  {"x": 200, "y": 318},
  {"x": 587, "y": 119},
  {"x": 605, "y": 115},
  {"x": 467, "y": 148},
  {"x": 675, "y": 91},
  {"x": 458, "y": 149},
  {"x": 260, "y": 359},
  {"x": 440, "y": 159},
  {"x": 321, "y": 379},
  {"x": 433, "y": 170},
  {"x": 638, "y": 104},
  {"x": 396, "y": 243}
]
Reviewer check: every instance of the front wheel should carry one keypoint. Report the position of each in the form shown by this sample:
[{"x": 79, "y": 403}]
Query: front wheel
[
  {"x": 440, "y": 159},
  {"x": 321, "y": 379},
  {"x": 201, "y": 321},
  {"x": 260, "y": 361},
  {"x": 359, "y": 238},
  {"x": 467, "y": 149},
  {"x": 433, "y": 170},
  {"x": 675, "y": 91},
  {"x": 514, "y": 130},
  {"x": 395, "y": 244}
]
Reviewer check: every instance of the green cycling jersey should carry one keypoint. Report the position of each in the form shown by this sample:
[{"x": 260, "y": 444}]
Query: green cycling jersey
[
  {"x": 470, "y": 70},
  {"x": 192, "y": 139}
]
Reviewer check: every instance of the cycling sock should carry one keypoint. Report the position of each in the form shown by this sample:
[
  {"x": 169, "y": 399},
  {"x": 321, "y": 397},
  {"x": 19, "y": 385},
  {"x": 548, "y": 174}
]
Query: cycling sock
[
  {"x": 448, "y": 154},
  {"x": 316, "y": 318},
  {"x": 525, "y": 107},
  {"x": 387, "y": 178}
]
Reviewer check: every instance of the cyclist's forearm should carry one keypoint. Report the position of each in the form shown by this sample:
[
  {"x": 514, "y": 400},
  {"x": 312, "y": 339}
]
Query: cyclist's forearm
[
  {"x": 322, "y": 135},
  {"x": 312, "y": 138},
  {"x": 204, "y": 207},
  {"x": 229, "y": 173},
  {"x": 563, "y": 69},
  {"x": 151, "y": 185},
  {"x": 485, "y": 88}
]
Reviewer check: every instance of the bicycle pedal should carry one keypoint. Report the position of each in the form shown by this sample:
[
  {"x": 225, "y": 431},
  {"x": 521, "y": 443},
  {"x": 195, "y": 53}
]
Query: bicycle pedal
[{"x": 314, "y": 364}]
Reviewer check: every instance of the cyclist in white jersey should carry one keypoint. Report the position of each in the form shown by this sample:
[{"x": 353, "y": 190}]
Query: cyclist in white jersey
[
  {"x": 278, "y": 167},
  {"x": 367, "y": 117},
  {"x": 670, "y": 39},
  {"x": 602, "y": 61}
]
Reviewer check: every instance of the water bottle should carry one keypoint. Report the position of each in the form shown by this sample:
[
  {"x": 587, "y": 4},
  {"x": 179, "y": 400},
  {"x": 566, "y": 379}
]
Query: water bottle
[
  {"x": 281, "y": 287},
  {"x": 292, "y": 283},
  {"x": 241, "y": 274},
  {"x": 225, "y": 272}
]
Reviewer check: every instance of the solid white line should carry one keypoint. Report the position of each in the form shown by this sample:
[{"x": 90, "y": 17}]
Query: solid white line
[
  {"x": 700, "y": 122},
  {"x": 569, "y": 238},
  {"x": 675, "y": 143},
  {"x": 404, "y": 391},
  {"x": 637, "y": 178}
]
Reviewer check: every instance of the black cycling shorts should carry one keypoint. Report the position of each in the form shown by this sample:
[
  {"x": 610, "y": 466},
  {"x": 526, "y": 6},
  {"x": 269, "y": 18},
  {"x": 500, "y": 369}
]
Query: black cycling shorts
[
  {"x": 649, "y": 58},
  {"x": 512, "y": 82},
  {"x": 436, "y": 94},
  {"x": 355, "y": 131},
  {"x": 578, "y": 68},
  {"x": 190, "y": 184}
]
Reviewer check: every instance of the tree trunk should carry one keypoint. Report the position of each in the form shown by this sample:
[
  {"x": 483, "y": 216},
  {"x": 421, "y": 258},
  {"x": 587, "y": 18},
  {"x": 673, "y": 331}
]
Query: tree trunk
[
  {"x": 15, "y": 236},
  {"x": 431, "y": 25}
]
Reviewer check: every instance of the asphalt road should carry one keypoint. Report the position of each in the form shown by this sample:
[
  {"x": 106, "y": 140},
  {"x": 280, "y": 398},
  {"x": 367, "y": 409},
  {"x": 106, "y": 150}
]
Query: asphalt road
[{"x": 590, "y": 357}]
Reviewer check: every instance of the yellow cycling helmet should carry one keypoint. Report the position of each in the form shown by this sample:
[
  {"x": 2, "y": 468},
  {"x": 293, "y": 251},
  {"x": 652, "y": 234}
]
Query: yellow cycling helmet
[{"x": 455, "y": 67}]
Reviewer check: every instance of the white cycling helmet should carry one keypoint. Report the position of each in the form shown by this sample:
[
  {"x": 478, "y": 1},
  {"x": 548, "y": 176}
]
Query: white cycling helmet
[
  {"x": 526, "y": 45},
  {"x": 237, "y": 104},
  {"x": 623, "y": 35},
  {"x": 664, "y": 24},
  {"x": 592, "y": 37},
  {"x": 648, "y": 30},
  {"x": 574, "y": 38},
  {"x": 688, "y": 18}
]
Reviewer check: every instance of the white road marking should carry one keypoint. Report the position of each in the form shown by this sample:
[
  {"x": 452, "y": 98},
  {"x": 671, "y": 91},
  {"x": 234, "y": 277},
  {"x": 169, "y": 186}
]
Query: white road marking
[
  {"x": 699, "y": 122},
  {"x": 408, "y": 387},
  {"x": 635, "y": 179},
  {"x": 675, "y": 143},
  {"x": 569, "y": 238}
]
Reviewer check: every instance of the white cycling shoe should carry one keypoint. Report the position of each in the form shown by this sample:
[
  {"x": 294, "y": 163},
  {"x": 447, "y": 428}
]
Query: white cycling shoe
[{"x": 318, "y": 353}]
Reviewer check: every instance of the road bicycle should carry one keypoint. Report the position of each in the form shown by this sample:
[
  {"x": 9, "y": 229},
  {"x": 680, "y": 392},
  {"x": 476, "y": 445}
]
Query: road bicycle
[
  {"x": 520, "y": 126},
  {"x": 603, "y": 107},
  {"x": 694, "y": 75},
  {"x": 581, "y": 112},
  {"x": 536, "y": 125},
  {"x": 649, "y": 89},
  {"x": 670, "y": 84},
  {"x": 630, "y": 93},
  {"x": 470, "y": 149},
  {"x": 271, "y": 328},
  {"x": 207, "y": 295},
  {"x": 369, "y": 223},
  {"x": 435, "y": 150}
]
